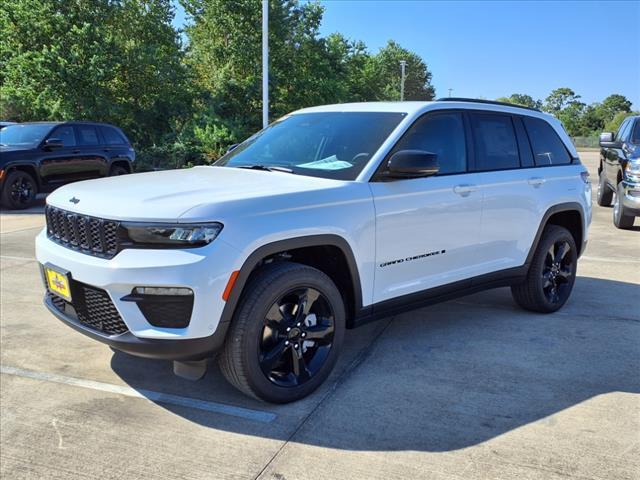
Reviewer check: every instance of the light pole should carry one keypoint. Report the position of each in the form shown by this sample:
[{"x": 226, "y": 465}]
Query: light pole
[
  {"x": 450, "y": 92},
  {"x": 265, "y": 63},
  {"x": 403, "y": 64}
]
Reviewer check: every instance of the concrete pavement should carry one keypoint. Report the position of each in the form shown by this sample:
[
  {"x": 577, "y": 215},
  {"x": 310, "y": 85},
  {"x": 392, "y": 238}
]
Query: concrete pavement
[{"x": 472, "y": 388}]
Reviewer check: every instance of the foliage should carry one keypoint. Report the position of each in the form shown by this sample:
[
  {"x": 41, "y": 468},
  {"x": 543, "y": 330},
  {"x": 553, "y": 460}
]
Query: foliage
[
  {"x": 114, "y": 61},
  {"x": 580, "y": 120},
  {"x": 521, "y": 99}
]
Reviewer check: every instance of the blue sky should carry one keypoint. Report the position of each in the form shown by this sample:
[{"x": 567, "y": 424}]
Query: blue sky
[{"x": 493, "y": 49}]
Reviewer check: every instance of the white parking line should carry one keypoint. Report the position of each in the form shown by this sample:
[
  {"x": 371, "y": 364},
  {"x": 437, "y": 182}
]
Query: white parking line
[
  {"x": 608, "y": 259},
  {"x": 246, "y": 413},
  {"x": 25, "y": 259}
]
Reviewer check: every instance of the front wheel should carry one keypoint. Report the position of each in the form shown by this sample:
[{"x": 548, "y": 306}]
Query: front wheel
[
  {"x": 286, "y": 333},
  {"x": 620, "y": 217},
  {"x": 605, "y": 194},
  {"x": 551, "y": 274},
  {"x": 19, "y": 190}
]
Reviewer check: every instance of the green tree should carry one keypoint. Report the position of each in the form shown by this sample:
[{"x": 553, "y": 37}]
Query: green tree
[
  {"x": 559, "y": 99},
  {"x": 613, "y": 104},
  {"x": 383, "y": 75},
  {"x": 305, "y": 69},
  {"x": 521, "y": 99},
  {"x": 115, "y": 61}
]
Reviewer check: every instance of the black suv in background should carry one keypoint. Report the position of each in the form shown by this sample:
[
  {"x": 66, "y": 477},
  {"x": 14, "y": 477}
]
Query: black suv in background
[
  {"x": 620, "y": 172},
  {"x": 40, "y": 156}
]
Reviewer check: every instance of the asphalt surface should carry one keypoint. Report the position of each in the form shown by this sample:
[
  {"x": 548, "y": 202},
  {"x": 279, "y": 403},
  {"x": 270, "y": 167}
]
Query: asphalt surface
[{"x": 472, "y": 388}]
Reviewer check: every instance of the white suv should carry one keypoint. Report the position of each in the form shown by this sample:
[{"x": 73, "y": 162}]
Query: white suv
[{"x": 330, "y": 217}]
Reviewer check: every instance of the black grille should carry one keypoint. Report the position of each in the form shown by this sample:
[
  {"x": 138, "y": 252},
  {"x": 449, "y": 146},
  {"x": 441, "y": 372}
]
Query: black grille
[
  {"x": 90, "y": 235},
  {"x": 92, "y": 307}
]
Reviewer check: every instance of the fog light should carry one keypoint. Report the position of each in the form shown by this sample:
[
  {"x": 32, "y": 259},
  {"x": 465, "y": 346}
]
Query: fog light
[{"x": 169, "y": 291}]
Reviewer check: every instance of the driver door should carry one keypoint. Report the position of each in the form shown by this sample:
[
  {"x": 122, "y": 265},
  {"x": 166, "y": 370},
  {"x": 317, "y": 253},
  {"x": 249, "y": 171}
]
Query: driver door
[{"x": 428, "y": 229}]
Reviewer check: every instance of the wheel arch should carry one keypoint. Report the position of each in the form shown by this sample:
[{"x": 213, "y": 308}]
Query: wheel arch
[
  {"x": 569, "y": 215},
  {"x": 305, "y": 250},
  {"x": 121, "y": 163},
  {"x": 24, "y": 167}
]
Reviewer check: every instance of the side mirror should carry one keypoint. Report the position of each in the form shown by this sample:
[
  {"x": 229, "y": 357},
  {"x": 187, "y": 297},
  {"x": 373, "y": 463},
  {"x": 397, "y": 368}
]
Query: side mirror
[
  {"x": 412, "y": 164},
  {"x": 231, "y": 147},
  {"x": 53, "y": 144},
  {"x": 606, "y": 139}
]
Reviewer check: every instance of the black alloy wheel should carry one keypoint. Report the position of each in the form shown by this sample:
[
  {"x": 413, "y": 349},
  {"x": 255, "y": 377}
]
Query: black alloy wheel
[
  {"x": 297, "y": 337},
  {"x": 286, "y": 333},
  {"x": 557, "y": 273},
  {"x": 19, "y": 191},
  {"x": 552, "y": 272}
]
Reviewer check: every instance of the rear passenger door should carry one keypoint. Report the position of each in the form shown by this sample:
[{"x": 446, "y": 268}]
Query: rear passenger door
[
  {"x": 510, "y": 210},
  {"x": 94, "y": 161},
  {"x": 518, "y": 193}
]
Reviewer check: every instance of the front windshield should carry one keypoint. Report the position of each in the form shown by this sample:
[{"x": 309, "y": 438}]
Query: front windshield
[
  {"x": 23, "y": 135},
  {"x": 333, "y": 145}
]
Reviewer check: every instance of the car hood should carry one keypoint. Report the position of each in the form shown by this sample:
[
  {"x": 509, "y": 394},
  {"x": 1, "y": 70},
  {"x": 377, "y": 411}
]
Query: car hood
[{"x": 170, "y": 195}]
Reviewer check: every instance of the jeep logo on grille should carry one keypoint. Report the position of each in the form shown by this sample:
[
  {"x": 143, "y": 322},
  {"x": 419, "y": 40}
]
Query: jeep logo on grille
[{"x": 74, "y": 200}]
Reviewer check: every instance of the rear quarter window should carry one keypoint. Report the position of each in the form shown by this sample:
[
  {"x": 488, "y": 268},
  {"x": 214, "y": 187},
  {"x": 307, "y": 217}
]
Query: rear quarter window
[
  {"x": 547, "y": 147},
  {"x": 112, "y": 136}
]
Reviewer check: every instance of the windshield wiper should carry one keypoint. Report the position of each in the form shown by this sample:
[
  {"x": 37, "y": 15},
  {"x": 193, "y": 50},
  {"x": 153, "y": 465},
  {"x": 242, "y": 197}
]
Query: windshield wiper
[{"x": 266, "y": 168}]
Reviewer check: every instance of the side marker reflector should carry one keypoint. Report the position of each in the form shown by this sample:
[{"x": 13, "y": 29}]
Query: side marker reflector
[{"x": 230, "y": 284}]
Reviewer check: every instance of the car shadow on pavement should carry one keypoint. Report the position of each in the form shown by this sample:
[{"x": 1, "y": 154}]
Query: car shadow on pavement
[
  {"x": 448, "y": 376},
  {"x": 36, "y": 209}
]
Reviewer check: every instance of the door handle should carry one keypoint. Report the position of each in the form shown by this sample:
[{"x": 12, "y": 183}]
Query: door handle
[
  {"x": 536, "y": 181},
  {"x": 464, "y": 190},
  {"x": 75, "y": 151}
]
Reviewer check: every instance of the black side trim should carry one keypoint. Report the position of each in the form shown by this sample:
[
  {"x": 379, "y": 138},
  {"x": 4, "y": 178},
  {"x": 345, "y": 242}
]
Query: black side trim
[
  {"x": 442, "y": 293},
  {"x": 291, "y": 244}
]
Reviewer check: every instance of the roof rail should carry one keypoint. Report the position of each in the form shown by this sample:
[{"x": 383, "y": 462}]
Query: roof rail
[{"x": 489, "y": 102}]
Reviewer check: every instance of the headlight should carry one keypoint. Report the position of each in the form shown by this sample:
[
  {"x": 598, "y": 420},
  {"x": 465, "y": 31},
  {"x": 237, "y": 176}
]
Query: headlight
[
  {"x": 633, "y": 168},
  {"x": 173, "y": 235}
]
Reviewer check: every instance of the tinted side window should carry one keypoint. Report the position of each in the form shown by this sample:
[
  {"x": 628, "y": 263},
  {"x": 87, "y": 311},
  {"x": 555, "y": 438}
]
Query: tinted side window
[
  {"x": 65, "y": 133},
  {"x": 621, "y": 130},
  {"x": 112, "y": 136},
  {"x": 635, "y": 136},
  {"x": 495, "y": 142},
  {"x": 547, "y": 147},
  {"x": 624, "y": 136},
  {"x": 87, "y": 135},
  {"x": 442, "y": 134}
]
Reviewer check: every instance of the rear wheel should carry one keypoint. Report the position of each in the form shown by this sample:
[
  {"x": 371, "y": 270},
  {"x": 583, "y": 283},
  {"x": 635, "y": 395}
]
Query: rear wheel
[
  {"x": 118, "y": 170},
  {"x": 620, "y": 218},
  {"x": 286, "y": 334},
  {"x": 19, "y": 190},
  {"x": 605, "y": 194},
  {"x": 552, "y": 272}
]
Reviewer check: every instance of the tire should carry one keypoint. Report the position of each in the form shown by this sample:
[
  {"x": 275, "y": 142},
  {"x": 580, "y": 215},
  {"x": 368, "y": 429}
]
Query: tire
[
  {"x": 19, "y": 190},
  {"x": 620, "y": 218},
  {"x": 604, "y": 194},
  {"x": 259, "y": 357},
  {"x": 551, "y": 274},
  {"x": 117, "y": 170}
]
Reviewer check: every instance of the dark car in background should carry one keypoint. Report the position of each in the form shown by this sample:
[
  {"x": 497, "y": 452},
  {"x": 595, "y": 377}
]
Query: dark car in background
[
  {"x": 37, "y": 157},
  {"x": 620, "y": 172}
]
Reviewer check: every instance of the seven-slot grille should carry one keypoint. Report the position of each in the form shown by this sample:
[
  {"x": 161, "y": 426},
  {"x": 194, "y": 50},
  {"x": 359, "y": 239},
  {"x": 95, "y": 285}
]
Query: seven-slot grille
[{"x": 90, "y": 235}]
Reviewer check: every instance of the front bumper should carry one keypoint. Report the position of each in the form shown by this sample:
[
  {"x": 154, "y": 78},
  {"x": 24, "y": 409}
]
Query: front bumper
[
  {"x": 204, "y": 270},
  {"x": 631, "y": 198}
]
